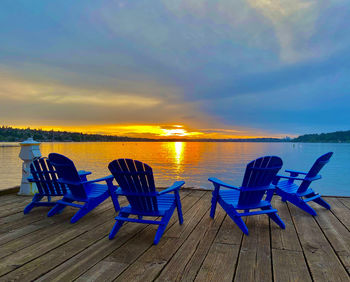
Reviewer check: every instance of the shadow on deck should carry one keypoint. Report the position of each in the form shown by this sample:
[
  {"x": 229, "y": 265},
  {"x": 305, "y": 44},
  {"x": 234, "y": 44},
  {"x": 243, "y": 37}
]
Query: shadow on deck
[{"x": 34, "y": 246}]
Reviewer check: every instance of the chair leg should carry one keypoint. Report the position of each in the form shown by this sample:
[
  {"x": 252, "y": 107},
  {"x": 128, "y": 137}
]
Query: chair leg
[
  {"x": 56, "y": 209},
  {"x": 80, "y": 213},
  {"x": 275, "y": 217},
  {"x": 159, "y": 233},
  {"x": 162, "y": 226},
  {"x": 304, "y": 206},
  {"x": 214, "y": 202},
  {"x": 322, "y": 203},
  {"x": 239, "y": 221},
  {"x": 178, "y": 207},
  {"x": 32, "y": 204},
  {"x": 115, "y": 229},
  {"x": 115, "y": 201},
  {"x": 119, "y": 223}
]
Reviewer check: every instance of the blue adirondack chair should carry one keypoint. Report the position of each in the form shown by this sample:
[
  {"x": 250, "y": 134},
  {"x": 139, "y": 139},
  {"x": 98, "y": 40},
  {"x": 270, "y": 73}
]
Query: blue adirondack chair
[
  {"x": 88, "y": 192},
  {"x": 136, "y": 182},
  {"x": 256, "y": 184},
  {"x": 299, "y": 195},
  {"x": 45, "y": 177}
]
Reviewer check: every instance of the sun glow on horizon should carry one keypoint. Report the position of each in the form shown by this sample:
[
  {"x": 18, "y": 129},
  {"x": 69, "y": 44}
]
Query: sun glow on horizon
[{"x": 176, "y": 131}]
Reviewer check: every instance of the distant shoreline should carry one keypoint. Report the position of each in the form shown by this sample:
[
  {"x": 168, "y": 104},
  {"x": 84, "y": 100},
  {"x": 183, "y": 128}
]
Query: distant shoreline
[
  {"x": 9, "y": 134},
  {"x": 176, "y": 140},
  {"x": 9, "y": 145}
]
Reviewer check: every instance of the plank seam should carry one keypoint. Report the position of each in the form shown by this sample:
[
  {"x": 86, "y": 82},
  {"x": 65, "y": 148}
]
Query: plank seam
[
  {"x": 336, "y": 253},
  {"x": 93, "y": 243},
  {"x": 239, "y": 254},
  {"x": 127, "y": 242},
  {"x": 270, "y": 236},
  {"x": 301, "y": 245},
  {"x": 338, "y": 217},
  {"x": 212, "y": 242},
  {"x": 61, "y": 221},
  {"x": 50, "y": 250},
  {"x": 184, "y": 241}
]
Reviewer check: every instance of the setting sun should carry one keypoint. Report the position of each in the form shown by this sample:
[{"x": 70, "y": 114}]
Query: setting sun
[{"x": 178, "y": 130}]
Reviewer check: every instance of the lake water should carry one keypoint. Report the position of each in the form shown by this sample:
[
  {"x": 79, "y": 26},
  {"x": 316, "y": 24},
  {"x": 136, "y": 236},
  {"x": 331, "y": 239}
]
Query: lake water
[{"x": 192, "y": 162}]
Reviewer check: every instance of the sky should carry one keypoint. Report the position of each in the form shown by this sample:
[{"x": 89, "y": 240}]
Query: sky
[{"x": 176, "y": 68}]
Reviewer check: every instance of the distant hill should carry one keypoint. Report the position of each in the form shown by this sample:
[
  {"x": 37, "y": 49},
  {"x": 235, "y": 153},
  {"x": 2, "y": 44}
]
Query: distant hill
[
  {"x": 332, "y": 137},
  {"x": 9, "y": 134}
]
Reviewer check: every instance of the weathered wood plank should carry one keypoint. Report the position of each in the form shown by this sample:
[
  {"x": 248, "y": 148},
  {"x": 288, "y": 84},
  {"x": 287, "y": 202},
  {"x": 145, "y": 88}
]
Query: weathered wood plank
[
  {"x": 149, "y": 265},
  {"x": 177, "y": 230},
  {"x": 83, "y": 256},
  {"x": 19, "y": 220},
  {"x": 20, "y": 238},
  {"x": 68, "y": 232},
  {"x": 94, "y": 254},
  {"x": 12, "y": 208},
  {"x": 229, "y": 232},
  {"x": 337, "y": 235},
  {"x": 13, "y": 198},
  {"x": 287, "y": 257},
  {"x": 39, "y": 231},
  {"x": 184, "y": 265},
  {"x": 340, "y": 210},
  {"x": 201, "y": 249},
  {"x": 345, "y": 201},
  {"x": 289, "y": 266},
  {"x": 22, "y": 230},
  {"x": 219, "y": 264},
  {"x": 284, "y": 239},
  {"x": 321, "y": 259},
  {"x": 254, "y": 262}
]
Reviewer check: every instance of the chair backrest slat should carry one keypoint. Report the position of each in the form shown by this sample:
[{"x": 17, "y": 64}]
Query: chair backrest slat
[
  {"x": 45, "y": 178},
  {"x": 67, "y": 171},
  {"x": 259, "y": 174},
  {"x": 137, "y": 178},
  {"x": 314, "y": 170},
  {"x": 59, "y": 187}
]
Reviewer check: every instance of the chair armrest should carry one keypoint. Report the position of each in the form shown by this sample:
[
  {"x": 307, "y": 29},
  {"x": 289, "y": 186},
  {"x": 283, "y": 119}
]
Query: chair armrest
[
  {"x": 295, "y": 173},
  {"x": 176, "y": 186},
  {"x": 108, "y": 178},
  {"x": 221, "y": 183},
  {"x": 317, "y": 177},
  {"x": 277, "y": 178},
  {"x": 84, "y": 173},
  {"x": 269, "y": 187}
]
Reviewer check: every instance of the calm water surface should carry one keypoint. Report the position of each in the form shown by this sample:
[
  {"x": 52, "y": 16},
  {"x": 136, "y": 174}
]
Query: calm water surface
[{"x": 192, "y": 162}]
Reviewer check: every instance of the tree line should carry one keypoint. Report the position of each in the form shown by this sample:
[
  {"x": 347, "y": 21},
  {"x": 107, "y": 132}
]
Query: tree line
[
  {"x": 332, "y": 137},
  {"x": 10, "y": 134}
]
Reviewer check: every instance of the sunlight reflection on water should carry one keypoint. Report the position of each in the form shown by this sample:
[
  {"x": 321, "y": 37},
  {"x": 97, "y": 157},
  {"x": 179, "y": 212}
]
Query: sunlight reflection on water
[{"x": 192, "y": 162}]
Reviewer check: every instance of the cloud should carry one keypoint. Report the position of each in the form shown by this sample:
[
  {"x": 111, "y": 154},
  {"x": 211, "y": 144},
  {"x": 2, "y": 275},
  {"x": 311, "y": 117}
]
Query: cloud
[
  {"x": 58, "y": 104},
  {"x": 237, "y": 65}
]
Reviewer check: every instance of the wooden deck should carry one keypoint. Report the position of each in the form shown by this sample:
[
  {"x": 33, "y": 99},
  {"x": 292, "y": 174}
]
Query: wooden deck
[{"x": 34, "y": 246}]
